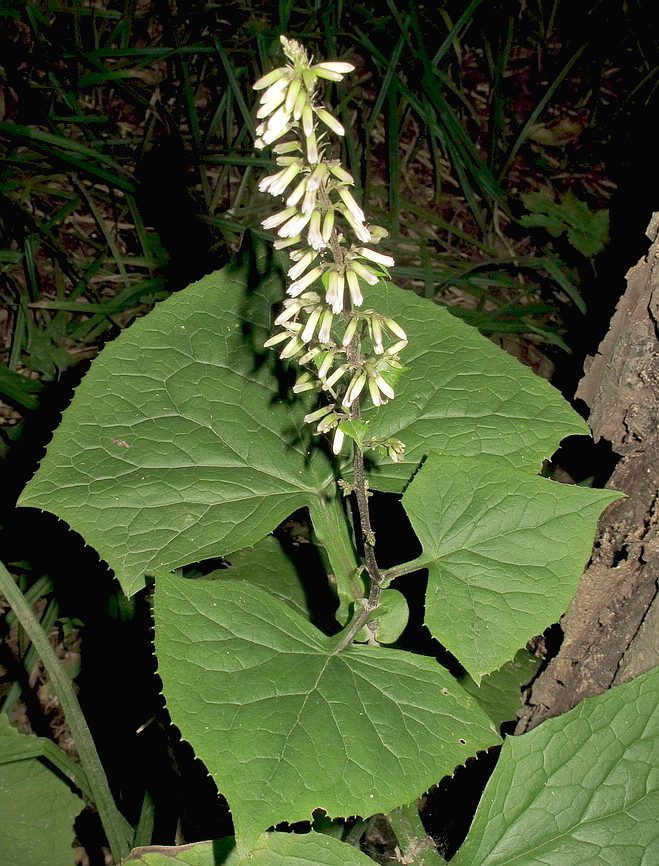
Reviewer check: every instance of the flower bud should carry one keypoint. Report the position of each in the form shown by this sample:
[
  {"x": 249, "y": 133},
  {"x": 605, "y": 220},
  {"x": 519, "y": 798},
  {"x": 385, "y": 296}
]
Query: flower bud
[
  {"x": 337, "y": 442},
  {"x": 374, "y": 256},
  {"x": 330, "y": 121},
  {"x": 339, "y": 66},
  {"x": 325, "y": 329},
  {"x": 317, "y": 414},
  {"x": 356, "y": 296},
  {"x": 298, "y": 286},
  {"x": 292, "y": 94},
  {"x": 354, "y": 389},
  {"x": 310, "y": 327},
  {"x": 271, "y": 77}
]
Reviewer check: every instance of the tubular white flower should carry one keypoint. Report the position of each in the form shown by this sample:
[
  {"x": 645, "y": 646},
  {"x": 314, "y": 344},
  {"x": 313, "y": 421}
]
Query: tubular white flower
[
  {"x": 339, "y": 66},
  {"x": 395, "y": 329},
  {"x": 328, "y": 225},
  {"x": 305, "y": 382},
  {"x": 275, "y": 184},
  {"x": 337, "y": 442},
  {"x": 312, "y": 148},
  {"x": 353, "y": 208},
  {"x": 317, "y": 176},
  {"x": 276, "y": 339},
  {"x": 327, "y": 74},
  {"x": 307, "y": 120},
  {"x": 375, "y": 329},
  {"x": 397, "y": 347},
  {"x": 282, "y": 243},
  {"x": 314, "y": 236},
  {"x": 279, "y": 218},
  {"x": 278, "y": 120},
  {"x": 270, "y": 135},
  {"x": 271, "y": 77},
  {"x": 330, "y": 121},
  {"x": 298, "y": 192},
  {"x": 275, "y": 89},
  {"x": 268, "y": 107},
  {"x": 292, "y": 94},
  {"x": 310, "y": 355},
  {"x": 310, "y": 327},
  {"x": 351, "y": 329},
  {"x": 339, "y": 172},
  {"x": 298, "y": 269},
  {"x": 300, "y": 285},
  {"x": 301, "y": 101},
  {"x": 318, "y": 413},
  {"x": 287, "y": 147},
  {"x": 331, "y": 381},
  {"x": 383, "y": 386},
  {"x": 365, "y": 273},
  {"x": 291, "y": 348},
  {"x": 354, "y": 389},
  {"x": 326, "y": 364},
  {"x": 309, "y": 203},
  {"x": 359, "y": 229},
  {"x": 374, "y": 256},
  {"x": 353, "y": 285},
  {"x": 294, "y": 226},
  {"x": 376, "y": 398},
  {"x": 334, "y": 294},
  {"x": 325, "y": 329}
]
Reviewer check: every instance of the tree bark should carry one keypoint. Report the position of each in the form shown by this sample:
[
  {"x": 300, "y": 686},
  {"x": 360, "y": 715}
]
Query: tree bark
[{"x": 611, "y": 629}]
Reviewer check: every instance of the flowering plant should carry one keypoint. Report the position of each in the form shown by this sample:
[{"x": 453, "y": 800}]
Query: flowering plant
[{"x": 187, "y": 458}]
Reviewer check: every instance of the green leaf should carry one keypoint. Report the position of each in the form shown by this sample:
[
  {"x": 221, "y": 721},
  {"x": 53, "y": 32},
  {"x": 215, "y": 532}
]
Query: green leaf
[
  {"x": 285, "y": 725},
  {"x": 38, "y": 809},
  {"x": 504, "y": 551},
  {"x": 461, "y": 395},
  {"x": 356, "y": 429},
  {"x": 587, "y": 230},
  {"x": 271, "y": 849},
  {"x": 175, "y": 442},
  {"x": 579, "y": 790},
  {"x": 499, "y": 693},
  {"x": 266, "y": 565}
]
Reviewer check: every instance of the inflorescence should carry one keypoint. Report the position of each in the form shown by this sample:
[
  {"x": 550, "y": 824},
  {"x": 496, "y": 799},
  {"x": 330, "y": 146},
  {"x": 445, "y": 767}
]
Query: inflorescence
[{"x": 342, "y": 349}]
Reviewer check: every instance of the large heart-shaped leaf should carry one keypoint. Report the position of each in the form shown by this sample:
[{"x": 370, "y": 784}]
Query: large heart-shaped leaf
[
  {"x": 175, "y": 448},
  {"x": 287, "y": 725},
  {"x": 504, "y": 551},
  {"x": 579, "y": 790},
  {"x": 460, "y": 394}
]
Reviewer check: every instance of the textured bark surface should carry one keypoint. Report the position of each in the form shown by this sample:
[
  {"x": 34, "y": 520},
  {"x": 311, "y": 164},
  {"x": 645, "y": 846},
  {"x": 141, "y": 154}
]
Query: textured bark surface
[{"x": 611, "y": 630}]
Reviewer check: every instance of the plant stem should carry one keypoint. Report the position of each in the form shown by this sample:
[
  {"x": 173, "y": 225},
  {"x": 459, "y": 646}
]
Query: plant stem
[
  {"x": 118, "y": 830},
  {"x": 331, "y": 531},
  {"x": 368, "y": 537}
]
